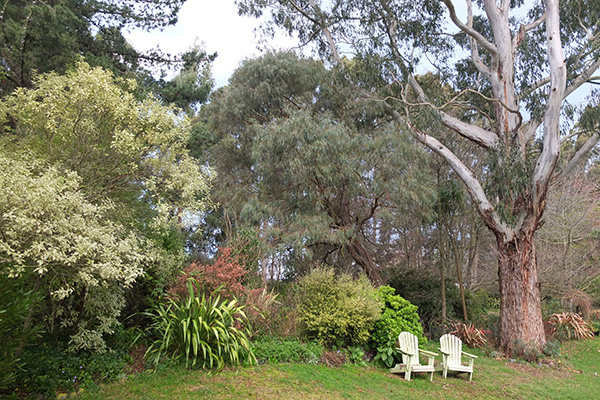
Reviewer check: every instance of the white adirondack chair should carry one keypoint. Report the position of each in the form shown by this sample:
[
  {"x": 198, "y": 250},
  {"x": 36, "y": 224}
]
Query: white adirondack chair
[
  {"x": 451, "y": 349},
  {"x": 409, "y": 347}
]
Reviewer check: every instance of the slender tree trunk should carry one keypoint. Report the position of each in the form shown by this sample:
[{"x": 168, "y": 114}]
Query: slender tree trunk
[
  {"x": 473, "y": 256},
  {"x": 461, "y": 286},
  {"x": 444, "y": 303},
  {"x": 443, "y": 262},
  {"x": 521, "y": 323}
]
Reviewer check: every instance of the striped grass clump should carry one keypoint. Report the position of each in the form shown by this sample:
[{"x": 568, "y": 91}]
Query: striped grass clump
[
  {"x": 206, "y": 331},
  {"x": 570, "y": 326}
]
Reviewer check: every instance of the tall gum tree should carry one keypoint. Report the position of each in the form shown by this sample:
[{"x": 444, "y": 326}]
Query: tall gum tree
[{"x": 524, "y": 60}]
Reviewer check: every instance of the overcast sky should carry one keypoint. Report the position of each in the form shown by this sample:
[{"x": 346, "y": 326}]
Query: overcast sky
[{"x": 216, "y": 24}]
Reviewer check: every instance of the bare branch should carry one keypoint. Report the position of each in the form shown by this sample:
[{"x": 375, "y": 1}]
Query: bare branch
[
  {"x": 524, "y": 29},
  {"x": 585, "y": 76},
  {"x": 482, "y": 41},
  {"x": 480, "y": 136},
  {"x": 484, "y": 207},
  {"x": 558, "y": 79},
  {"x": 536, "y": 85},
  {"x": 481, "y": 67},
  {"x": 581, "y": 154},
  {"x": 327, "y": 33},
  {"x": 529, "y": 130}
]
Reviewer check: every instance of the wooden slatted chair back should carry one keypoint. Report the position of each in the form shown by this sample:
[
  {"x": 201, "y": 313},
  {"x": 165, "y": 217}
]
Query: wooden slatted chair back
[
  {"x": 452, "y": 345},
  {"x": 409, "y": 343}
]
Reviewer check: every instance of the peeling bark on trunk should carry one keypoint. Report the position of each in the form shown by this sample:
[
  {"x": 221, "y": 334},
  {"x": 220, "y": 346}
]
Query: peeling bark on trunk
[{"x": 521, "y": 324}]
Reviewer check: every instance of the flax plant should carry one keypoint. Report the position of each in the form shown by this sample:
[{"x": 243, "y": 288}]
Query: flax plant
[{"x": 207, "y": 331}]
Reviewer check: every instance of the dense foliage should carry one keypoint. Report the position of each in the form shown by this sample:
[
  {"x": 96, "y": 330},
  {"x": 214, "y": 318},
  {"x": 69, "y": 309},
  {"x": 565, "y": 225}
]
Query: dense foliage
[
  {"x": 91, "y": 175},
  {"x": 207, "y": 331},
  {"x": 225, "y": 274},
  {"x": 398, "y": 315},
  {"x": 309, "y": 167},
  {"x": 41, "y": 37},
  {"x": 338, "y": 309}
]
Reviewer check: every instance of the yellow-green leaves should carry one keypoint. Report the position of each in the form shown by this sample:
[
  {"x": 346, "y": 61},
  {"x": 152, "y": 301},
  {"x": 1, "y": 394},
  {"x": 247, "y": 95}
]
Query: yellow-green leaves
[
  {"x": 90, "y": 175},
  {"x": 89, "y": 122}
]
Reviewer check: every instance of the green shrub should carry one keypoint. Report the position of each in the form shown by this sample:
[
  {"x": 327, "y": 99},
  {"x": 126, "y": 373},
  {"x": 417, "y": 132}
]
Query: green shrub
[
  {"x": 15, "y": 304},
  {"x": 205, "y": 331},
  {"x": 275, "y": 350},
  {"x": 337, "y": 309},
  {"x": 398, "y": 315},
  {"x": 424, "y": 291},
  {"x": 48, "y": 366}
]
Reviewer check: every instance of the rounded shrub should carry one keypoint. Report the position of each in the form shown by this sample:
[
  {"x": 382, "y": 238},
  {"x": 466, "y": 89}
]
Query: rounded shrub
[
  {"x": 337, "y": 309},
  {"x": 398, "y": 315}
]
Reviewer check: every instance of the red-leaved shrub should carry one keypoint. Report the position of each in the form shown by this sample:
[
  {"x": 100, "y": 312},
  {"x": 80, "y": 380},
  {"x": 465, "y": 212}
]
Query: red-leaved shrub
[{"x": 226, "y": 271}]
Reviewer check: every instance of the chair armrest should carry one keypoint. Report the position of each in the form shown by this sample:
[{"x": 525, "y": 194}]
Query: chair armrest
[
  {"x": 468, "y": 355},
  {"x": 428, "y": 353},
  {"x": 447, "y": 353},
  {"x": 404, "y": 351}
]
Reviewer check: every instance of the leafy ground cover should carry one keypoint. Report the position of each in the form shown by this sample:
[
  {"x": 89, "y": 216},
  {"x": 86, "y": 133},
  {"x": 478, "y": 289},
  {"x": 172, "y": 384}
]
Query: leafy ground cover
[{"x": 573, "y": 375}]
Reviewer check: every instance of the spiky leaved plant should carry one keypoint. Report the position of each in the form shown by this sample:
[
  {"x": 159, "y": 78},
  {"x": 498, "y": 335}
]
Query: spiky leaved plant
[{"x": 207, "y": 331}]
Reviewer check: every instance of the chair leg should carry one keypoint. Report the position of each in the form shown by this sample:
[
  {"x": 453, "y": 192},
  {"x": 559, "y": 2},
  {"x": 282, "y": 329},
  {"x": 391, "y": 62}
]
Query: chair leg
[
  {"x": 407, "y": 374},
  {"x": 445, "y": 372},
  {"x": 431, "y": 376},
  {"x": 470, "y": 376}
]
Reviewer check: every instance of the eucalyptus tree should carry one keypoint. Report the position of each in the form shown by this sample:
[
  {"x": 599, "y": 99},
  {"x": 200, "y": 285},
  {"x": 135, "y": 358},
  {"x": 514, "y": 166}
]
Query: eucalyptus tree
[
  {"x": 524, "y": 59},
  {"x": 296, "y": 156}
]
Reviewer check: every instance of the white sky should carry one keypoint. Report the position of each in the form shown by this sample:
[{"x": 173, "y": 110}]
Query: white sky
[{"x": 216, "y": 24}]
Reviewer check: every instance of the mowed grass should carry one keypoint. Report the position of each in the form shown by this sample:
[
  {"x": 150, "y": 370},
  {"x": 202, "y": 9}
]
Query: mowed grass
[{"x": 574, "y": 375}]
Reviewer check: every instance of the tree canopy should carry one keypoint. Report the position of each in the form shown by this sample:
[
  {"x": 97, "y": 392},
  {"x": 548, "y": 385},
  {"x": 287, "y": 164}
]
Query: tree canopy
[
  {"x": 523, "y": 62},
  {"x": 48, "y": 36},
  {"x": 314, "y": 167}
]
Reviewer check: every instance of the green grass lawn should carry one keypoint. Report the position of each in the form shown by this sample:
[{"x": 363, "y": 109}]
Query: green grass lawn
[{"x": 574, "y": 375}]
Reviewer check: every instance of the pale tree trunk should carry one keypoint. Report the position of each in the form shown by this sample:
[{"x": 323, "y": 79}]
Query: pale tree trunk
[{"x": 521, "y": 324}]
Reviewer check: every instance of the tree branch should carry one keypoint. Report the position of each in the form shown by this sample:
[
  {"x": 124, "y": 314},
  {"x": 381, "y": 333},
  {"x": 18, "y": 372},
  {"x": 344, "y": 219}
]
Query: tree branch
[
  {"x": 481, "y": 67},
  {"x": 579, "y": 156},
  {"x": 327, "y": 33},
  {"x": 558, "y": 80},
  {"x": 582, "y": 78},
  {"x": 518, "y": 38},
  {"x": 482, "y": 41},
  {"x": 474, "y": 133},
  {"x": 484, "y": 207}
]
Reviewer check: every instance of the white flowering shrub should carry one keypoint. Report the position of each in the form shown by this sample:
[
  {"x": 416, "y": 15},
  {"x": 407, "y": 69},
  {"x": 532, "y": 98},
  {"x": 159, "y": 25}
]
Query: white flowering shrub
[
  {"x": 90, "y": 174},
  {"x": 66, "y": 247}
]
